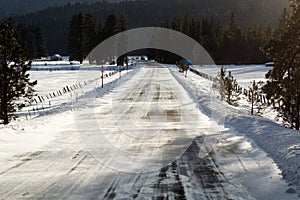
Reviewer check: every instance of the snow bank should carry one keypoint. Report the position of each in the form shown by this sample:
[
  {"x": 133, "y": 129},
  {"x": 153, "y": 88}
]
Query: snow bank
[
  {"x": 280, "y": 143},
  {"x": 244, "y": 74}
]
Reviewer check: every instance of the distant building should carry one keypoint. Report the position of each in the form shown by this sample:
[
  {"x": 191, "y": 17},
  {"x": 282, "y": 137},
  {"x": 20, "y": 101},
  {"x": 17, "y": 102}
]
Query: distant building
[
  {"x": 269, "y": 64},
  {"x": 55, "y": 57},
  {"x": 143, "y": 57}
]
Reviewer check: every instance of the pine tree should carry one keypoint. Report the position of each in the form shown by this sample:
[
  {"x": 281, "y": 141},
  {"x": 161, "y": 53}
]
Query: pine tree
[
  {"x": 283, "y": 86},
  {"x": 232, "y": 42},
  {"x": 219, "y": 83},
  {"x": 210, "y": 36},
  {"x": 111, "y": 26},
  {"x": 232, "y": 95},
  {"x": 75, "y": 38},
  {"x": 40, "y": 42},
  {"x": 28, "y": 37},
  {"x": 89, "y": 33},
  {"x": 195, "y": 29},
  {"x": 34, "y": 40},
  {"x": 122, "y": 24},
  {"x": 31, "y": 45},
  {"x": 176, "y": 24},
  {"x": 16, "y": 88},
  {"x": 99, "y": 32},
  {"x": 255, "y": 99},
  {"x": 185, "y": 25},
  {"x": 167, "y": 24},
  {"x": 227, "y": 88},
  {"x": 122, "y": 40}
]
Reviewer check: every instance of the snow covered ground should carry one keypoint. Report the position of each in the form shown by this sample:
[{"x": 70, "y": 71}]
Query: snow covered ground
[
  {"x": 279, "y": 143},
  {"x": 57, "y": 76},
  {"x": 245, "y": 74},
  {"x": 21, "y": 135},
  {"x": 230, "y": 155}
]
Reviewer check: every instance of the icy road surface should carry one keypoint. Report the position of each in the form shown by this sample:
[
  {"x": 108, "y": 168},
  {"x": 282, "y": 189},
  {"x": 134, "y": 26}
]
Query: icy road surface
[{"x": 144, "y": 139}]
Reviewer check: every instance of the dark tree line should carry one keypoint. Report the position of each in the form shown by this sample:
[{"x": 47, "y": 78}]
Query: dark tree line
[
  {"x": 17, "y": 7},
  {"x": 140, "y": 13},
  {"x": 86, "y": 32},
  {"x": 227, "y": 44},
  {"x": 34, "y": 40}
]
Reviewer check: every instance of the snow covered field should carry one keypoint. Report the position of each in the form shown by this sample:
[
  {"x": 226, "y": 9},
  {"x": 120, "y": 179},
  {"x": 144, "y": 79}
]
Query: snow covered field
[
  {"x": 231, "y": 155},
  {"x": 57, "y": 76},
  {"x": 21, "y": 136},
  {"x": 245, "y": 74}
]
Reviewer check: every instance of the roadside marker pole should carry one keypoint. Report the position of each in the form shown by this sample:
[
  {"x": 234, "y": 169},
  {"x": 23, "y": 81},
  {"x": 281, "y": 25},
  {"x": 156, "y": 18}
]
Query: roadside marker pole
[{"x": 102, "y": 70}]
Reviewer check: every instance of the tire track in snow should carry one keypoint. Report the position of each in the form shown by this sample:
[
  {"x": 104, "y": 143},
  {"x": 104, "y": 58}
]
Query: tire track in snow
[{"x": 36, "y": 170}]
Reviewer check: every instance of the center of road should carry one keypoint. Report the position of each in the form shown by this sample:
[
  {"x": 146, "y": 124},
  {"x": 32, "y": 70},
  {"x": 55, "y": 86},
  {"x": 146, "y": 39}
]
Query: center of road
[{"x": 148, "y": 121}]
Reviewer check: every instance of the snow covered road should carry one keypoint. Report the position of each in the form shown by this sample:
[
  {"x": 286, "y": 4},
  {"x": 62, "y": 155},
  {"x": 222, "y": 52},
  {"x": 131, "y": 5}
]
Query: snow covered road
[{"x": 139, "y": 141}]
